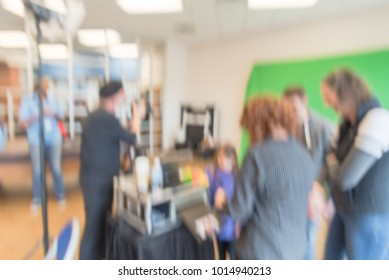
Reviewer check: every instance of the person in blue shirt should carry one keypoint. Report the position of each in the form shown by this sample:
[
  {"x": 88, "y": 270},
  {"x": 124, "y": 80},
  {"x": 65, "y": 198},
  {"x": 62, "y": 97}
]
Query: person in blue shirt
[
  {"x": 3, "y": 141},
  {"x": 221, "y": 188},
  {"x": 3, "y": 136},
  {"x": 29, "y": 117}
]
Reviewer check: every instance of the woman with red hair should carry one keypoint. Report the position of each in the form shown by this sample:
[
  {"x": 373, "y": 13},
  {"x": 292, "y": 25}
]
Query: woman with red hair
[{"x": 271, "y": 194}]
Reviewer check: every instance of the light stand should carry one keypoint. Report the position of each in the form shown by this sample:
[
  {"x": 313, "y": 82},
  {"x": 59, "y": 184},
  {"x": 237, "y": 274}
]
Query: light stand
[
  {"x": 41, "y": 14},
  {"x": 42, "y": 139}
]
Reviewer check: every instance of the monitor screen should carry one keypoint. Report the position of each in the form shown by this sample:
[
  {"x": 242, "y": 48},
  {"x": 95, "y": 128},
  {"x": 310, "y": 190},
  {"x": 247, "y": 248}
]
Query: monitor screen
[{"x": 194, "y": 136}]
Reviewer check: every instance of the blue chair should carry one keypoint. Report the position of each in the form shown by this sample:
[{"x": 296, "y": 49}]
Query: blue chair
[{"x": 65, "y": 246}]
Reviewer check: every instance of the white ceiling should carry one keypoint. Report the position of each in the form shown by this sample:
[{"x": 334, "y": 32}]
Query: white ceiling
[{"x": 206, "y": 20}]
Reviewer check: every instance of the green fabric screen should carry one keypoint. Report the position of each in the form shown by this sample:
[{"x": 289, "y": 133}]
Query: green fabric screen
[{"x": 273, "y": 78}]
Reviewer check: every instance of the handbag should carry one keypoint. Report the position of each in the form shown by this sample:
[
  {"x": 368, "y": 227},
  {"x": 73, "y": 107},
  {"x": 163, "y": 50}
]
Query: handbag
[{"x": 62, "y": 128}]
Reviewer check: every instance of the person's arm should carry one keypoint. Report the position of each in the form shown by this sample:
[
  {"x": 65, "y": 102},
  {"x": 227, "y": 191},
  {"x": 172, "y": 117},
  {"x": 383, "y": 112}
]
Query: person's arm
[
  {"x": 371, "y": 142},
  {"x": 58, "y": 113},
  {"x": 353, "y": 169},
  {"x": 323, "y": 147},
  {"x": 327, "y": 137},
  {"x": 137, "y": 115},
  {"x": 53, "y": 109},
  {"x": 25, "y": 116},
  {"x": 241, "y": 206},
  {"x": 212, "y": 187},
  {"x": 123, "y": 134}
]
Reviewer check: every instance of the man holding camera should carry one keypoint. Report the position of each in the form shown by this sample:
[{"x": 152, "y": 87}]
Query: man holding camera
[{"x": 100, "y": 162}]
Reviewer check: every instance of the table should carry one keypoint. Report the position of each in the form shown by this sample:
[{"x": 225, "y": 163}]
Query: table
[{"x": 123, "y": 242}]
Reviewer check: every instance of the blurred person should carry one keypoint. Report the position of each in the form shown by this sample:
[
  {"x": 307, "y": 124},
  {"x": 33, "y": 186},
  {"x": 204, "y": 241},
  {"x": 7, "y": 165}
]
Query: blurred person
[
  {"x": 271, "y": 195},
  {"x": 3, "y": 140},
  {"x": 29, "y": 117},
  {"x": 3, "y": 136},
  {"x": 358, "y": 170},
  {"x": 100, "y": 162},
  {"x": 222, "y": 182},
  {"x": 316, "y": 136}
]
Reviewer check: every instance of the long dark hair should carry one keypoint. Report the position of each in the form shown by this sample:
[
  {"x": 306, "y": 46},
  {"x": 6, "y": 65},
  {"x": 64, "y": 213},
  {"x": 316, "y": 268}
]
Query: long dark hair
[{"x": 348, "y": 86}]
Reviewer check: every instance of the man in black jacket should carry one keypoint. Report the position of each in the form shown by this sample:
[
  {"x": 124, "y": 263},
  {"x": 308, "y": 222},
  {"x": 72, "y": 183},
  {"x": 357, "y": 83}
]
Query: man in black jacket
[{"x": 100, "y": 162}]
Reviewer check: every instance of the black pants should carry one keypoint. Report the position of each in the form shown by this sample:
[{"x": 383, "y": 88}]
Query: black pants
[
  {"x": 225, "y": 247},
  {"x": 98, "y": 204}
]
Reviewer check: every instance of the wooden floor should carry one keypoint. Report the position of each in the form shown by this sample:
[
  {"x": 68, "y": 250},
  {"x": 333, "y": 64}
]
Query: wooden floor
[{"x": 20, "y": 231}]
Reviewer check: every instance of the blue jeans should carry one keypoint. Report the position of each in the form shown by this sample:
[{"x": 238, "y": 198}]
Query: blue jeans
[
  {"x": 53, "y": 156},
  {"x": 226, "y": 247},
  {"x": 312, "y": 232},
  {"x": 358, "y": 237}
]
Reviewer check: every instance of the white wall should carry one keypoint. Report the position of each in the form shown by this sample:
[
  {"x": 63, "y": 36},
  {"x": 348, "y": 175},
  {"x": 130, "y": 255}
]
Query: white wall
[
  {"x": 219, "y": 72},
  {"x": 174, "y": 90},
  {"x": 157, "y": 71}
]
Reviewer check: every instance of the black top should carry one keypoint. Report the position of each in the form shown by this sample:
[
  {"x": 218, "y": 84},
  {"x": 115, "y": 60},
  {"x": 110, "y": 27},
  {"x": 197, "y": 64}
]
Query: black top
[{"x": 100, "y": 147}]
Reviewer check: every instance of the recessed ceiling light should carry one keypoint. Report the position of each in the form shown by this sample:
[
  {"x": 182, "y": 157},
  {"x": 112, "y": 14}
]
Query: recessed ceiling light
[
  {"x": 15, "y": 7},
  {"x": 53, "y": 51},
  {"x": 150, "y": 6},
  {"x": 124, "y": 51},
  {"x": 13, "y": 39},
  {"x": 280, "y": 4},
  {"x": 98, "y": 37}
]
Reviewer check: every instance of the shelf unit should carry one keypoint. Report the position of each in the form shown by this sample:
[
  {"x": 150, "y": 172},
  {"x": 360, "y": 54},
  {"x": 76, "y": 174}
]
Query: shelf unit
[
  {"x": 13, "y": 96},
  {"x": 157, "y": 123}
]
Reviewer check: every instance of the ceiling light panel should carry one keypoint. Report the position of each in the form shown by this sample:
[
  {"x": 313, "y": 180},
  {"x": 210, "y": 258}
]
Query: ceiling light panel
[
  {"x": 151, "y": 6},
  {"x": 280, "y": 4},
  {"x": 98, "y": 37},
  {"x": 15, "y": 7},
  {"x": 53, "y": 51},
  {"x": 124, "y": 51},
  {"x": 13, "y": 39}
]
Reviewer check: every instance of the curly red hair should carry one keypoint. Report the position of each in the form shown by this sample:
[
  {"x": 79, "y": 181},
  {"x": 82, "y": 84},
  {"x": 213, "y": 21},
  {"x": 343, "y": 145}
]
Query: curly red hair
[{"x": 261, "y": 114}]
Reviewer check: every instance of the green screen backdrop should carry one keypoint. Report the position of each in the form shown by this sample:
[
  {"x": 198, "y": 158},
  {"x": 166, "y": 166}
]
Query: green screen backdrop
[{"x": 273, "y": 78}]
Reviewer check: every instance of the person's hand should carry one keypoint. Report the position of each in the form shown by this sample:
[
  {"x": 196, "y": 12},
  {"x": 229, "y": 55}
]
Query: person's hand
[
  {"x": 209, "y": 229},
  {"x": 210, "y": 226},
  {"x": 220, "y": 198},
  {"x": 30, "y": 121},
  {"x": 142, "y": 108},
  {"x": 237, "y": 230},
  {"x": 316, "y": 202},
  {"x": 136, "y": 120},
  {"x": 329, "y": 210},
  {"x": 331, "y": 159},
  {"x": 47, "y": 112}
]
